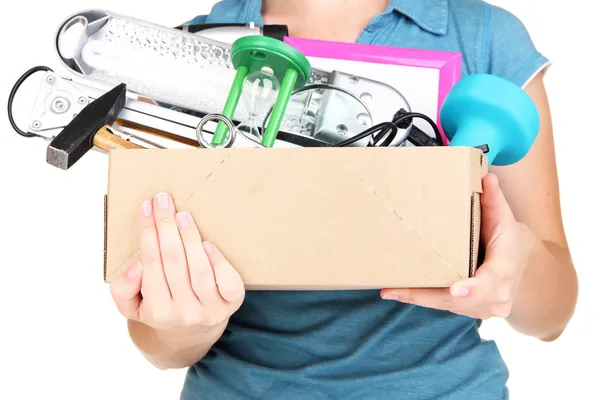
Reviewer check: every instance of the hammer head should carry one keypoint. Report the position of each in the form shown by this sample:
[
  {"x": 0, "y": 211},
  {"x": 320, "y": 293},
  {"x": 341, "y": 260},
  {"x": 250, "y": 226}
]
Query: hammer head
[{"x": 77, "y": 138}]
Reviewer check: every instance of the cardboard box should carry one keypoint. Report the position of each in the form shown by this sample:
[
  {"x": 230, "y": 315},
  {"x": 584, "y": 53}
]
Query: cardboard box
[{"x": 312, "y": 218}]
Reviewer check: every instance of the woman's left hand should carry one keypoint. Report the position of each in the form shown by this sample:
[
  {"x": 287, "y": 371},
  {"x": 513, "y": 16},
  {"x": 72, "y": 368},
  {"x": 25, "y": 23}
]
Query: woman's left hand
[{"x": 492, "y": 291}]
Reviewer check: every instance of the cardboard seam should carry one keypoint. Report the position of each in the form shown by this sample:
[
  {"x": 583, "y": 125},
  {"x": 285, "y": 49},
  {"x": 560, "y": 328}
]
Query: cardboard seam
[
  {"x": 475, "y": 250},
  {"x": 472, "y": 259},
  {"x": 118, "y": 270},
  {"x": 206, "y": 179},
  {"x": 390, "y": 208},
  {"x": 105, "y": 233}
]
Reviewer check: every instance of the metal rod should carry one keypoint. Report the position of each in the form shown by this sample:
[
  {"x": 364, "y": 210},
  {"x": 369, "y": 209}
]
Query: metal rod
[{"x": 157, "y": 132}]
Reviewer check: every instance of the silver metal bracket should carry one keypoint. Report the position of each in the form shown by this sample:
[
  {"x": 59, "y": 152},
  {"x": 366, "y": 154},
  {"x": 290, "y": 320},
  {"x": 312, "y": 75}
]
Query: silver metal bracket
[{"x": 57, "y": 103}]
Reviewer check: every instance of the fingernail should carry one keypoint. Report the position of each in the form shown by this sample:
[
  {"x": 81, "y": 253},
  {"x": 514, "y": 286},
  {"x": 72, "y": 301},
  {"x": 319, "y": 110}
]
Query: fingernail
[
  {"x": 209, "y": 247},
  {"x": 135, "y": 270},
  {"x": 163, "y": 200},
  {"x": 184, "y": 220},
  {"x": 389, "y": 296},
  {"x": 460, "y": 291},
  {"x": 147, "y": 208}
]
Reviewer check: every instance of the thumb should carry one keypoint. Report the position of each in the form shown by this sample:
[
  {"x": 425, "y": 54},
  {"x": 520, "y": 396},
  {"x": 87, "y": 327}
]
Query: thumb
[
  {"x": 496, "y": 214},
  {"x": 228, "y": 280},
  {"x": 125, "y": 291},
  {"x": 477, "y": 287}
]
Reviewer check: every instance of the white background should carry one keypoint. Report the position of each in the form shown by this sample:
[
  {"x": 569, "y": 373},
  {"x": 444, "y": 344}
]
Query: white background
[{"x": 59, "y": 332}]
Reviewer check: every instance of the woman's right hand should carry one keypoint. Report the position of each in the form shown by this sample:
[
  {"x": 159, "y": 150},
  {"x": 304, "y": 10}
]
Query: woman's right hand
[{"x": 180, "y": 284}]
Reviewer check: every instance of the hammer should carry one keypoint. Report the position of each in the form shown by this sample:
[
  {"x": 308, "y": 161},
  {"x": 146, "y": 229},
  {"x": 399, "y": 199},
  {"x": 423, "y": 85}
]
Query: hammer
[{"x": 88, "y": 129}]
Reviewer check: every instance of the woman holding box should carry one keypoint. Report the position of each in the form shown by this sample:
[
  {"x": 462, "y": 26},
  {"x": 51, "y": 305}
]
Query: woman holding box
[{"x": 187, "y": 307}]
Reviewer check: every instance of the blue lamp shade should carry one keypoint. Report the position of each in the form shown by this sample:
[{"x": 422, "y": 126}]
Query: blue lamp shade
[{"x": 484, "y": 109}]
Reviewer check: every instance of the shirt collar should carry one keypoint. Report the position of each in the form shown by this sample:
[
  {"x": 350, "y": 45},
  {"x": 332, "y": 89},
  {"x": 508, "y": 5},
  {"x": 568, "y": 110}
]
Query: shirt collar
[{"x": 430, "y": 15}]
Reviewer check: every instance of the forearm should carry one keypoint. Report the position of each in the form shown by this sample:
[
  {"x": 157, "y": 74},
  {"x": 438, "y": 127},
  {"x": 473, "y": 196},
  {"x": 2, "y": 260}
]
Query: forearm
[
  {"x": 547, "y": 295},
  {"x": 169, "y": 350}
]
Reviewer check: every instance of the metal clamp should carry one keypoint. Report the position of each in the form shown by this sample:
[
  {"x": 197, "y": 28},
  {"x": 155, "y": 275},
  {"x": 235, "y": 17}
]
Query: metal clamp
[
  {"x": 316, "y": 86},
  {"x": 215, "y": 116},
  {"x": 324, "y": 86}
]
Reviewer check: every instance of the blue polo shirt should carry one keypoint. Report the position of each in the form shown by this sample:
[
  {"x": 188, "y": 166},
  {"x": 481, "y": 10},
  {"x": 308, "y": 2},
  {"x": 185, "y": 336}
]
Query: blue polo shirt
[{"x": 315, "y": 345}]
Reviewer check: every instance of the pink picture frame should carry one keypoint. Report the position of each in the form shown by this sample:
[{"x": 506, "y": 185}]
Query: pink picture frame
[{"x": 449, "y": 64}]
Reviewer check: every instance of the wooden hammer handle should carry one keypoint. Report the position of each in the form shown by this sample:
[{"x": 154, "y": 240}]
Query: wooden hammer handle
[{"x": 106, "y": 141}]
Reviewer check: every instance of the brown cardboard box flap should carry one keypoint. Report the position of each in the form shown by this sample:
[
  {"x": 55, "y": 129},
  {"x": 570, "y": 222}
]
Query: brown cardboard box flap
[{"x": 310, "y": 218}]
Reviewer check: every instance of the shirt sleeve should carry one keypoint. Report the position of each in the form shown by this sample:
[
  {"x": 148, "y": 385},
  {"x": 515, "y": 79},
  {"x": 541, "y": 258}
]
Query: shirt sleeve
[{"x": 511, "y": 52}]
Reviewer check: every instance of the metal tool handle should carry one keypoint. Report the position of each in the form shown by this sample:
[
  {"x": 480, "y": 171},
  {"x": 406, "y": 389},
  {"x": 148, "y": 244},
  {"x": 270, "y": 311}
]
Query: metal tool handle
[{"x": 106, "y": 141}]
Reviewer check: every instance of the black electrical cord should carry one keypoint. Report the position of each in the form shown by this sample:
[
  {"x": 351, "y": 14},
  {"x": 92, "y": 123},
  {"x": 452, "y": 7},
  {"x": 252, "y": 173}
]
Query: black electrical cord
[
  {"x": 195, "y": 28},
  {"x": 13, "y": 92},
  {"x": 380, "y": 135},
  {"x": 438, "y": 136},
  {"x": 382, "y": 129}
]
